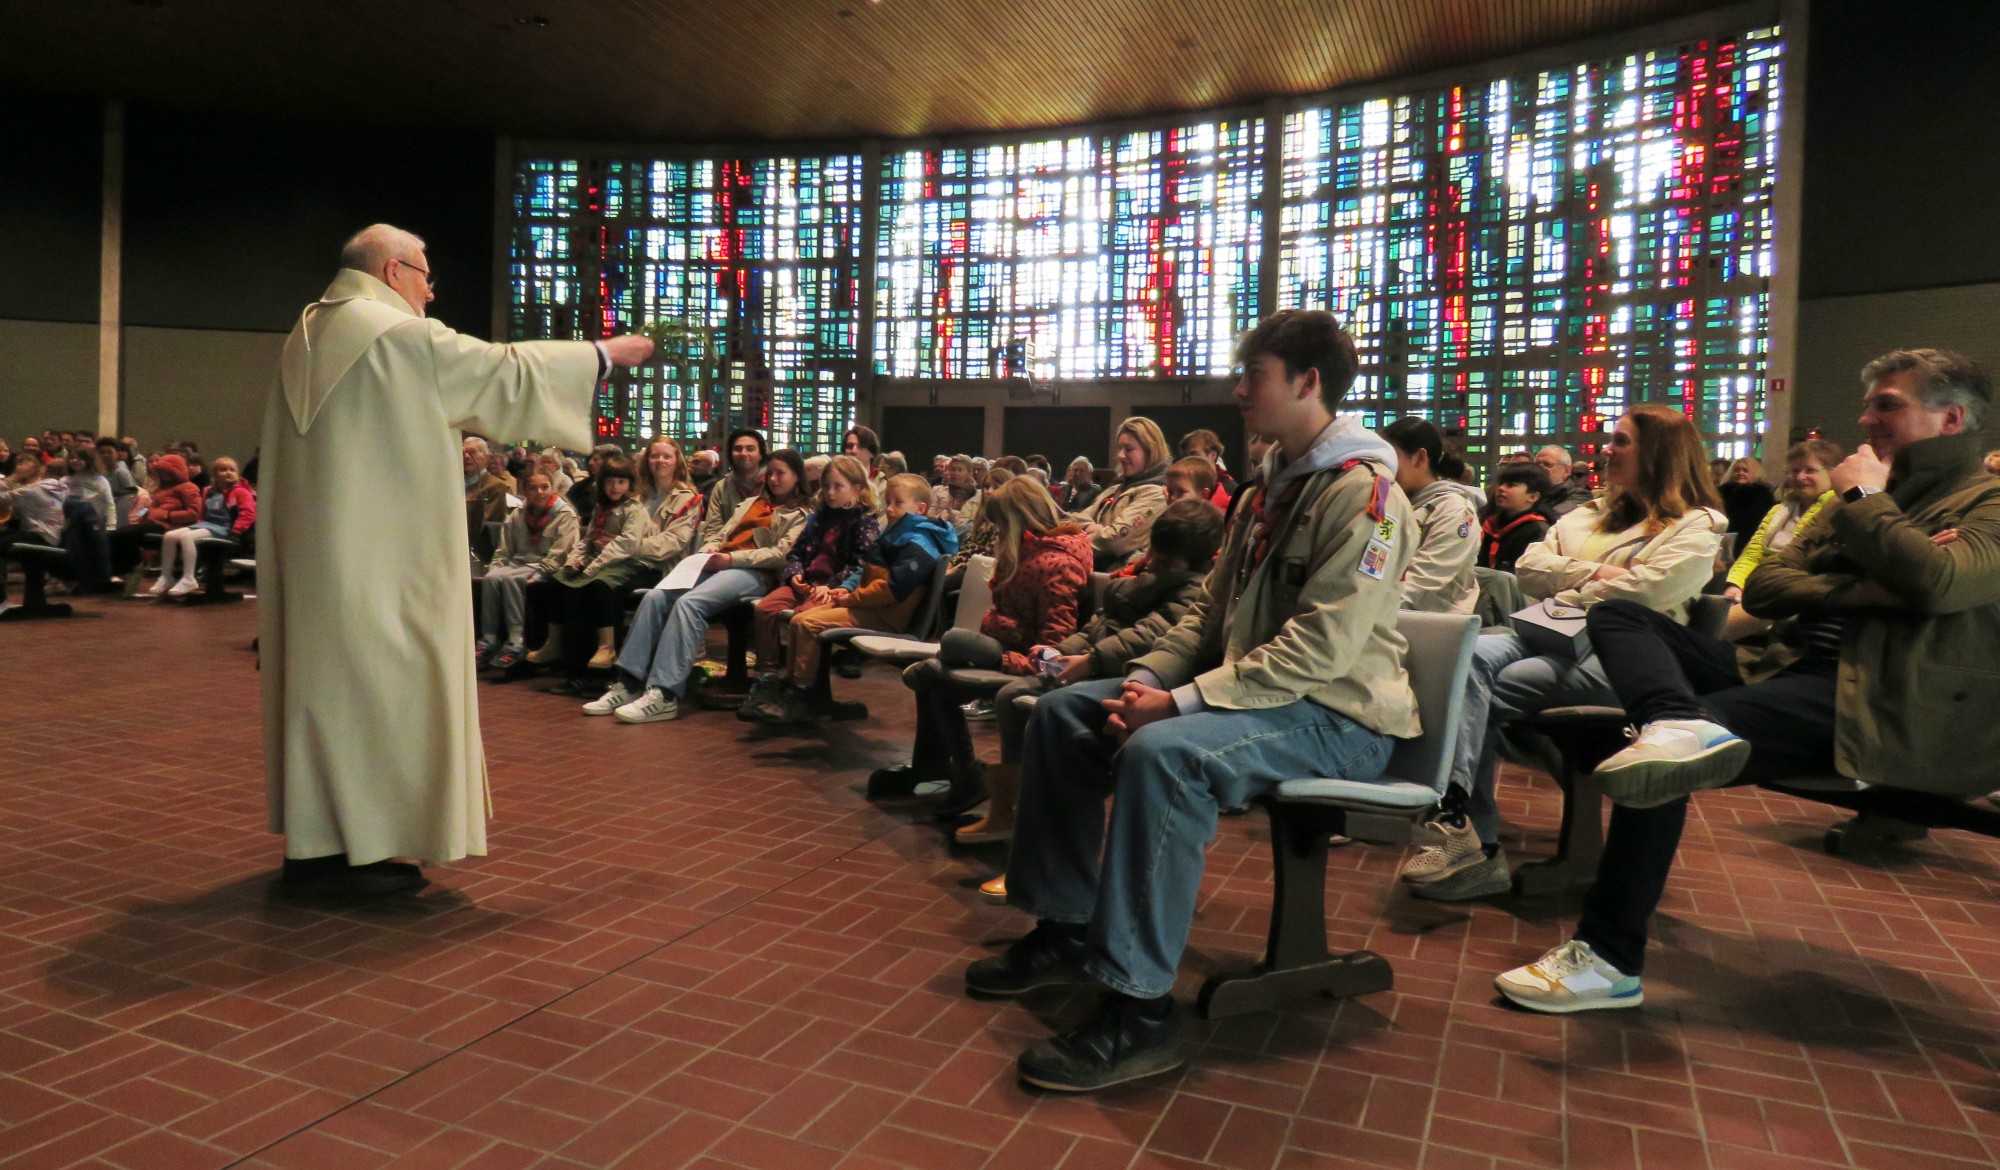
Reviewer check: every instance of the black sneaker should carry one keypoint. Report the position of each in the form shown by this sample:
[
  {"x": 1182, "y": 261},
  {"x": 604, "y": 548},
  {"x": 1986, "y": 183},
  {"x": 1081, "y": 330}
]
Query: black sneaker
[
  {"x": 847, "y": 664},
  {"x": 1051, "y": 955},
  {"x": 1127, "y": 1039}
]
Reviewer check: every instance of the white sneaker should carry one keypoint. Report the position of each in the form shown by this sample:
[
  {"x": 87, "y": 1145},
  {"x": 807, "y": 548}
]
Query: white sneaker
[
  {"x": 1671, "y": 758},
  {"x": 1452, "y": 849},
  {"x": 183, "y": 587},
  {"x": 1570, "y": 978},
  {"x": 654, "y": 706},
  {"x": 609, "y": 701},
  {"x": 979, "y": 711},
  {"x": 161, "y": 586}
]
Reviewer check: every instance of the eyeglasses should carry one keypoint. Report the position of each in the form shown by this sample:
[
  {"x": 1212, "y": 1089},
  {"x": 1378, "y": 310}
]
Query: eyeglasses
[{"x": 425, "y": 271}]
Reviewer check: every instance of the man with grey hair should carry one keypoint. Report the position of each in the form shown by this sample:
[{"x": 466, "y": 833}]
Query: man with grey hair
[
  {"x": 1559, "y": 500},
  {"x": 371, "y": 722},
  {"x": 1895, "y": 588},
  {"x": 486, "y": 491}
]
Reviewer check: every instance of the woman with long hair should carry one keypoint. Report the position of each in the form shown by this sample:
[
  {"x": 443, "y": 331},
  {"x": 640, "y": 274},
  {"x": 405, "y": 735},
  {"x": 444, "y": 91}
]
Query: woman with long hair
[
  {"x": 1117, "y": 521},
  {"x": 1651, "y": 539},
  {"x": 743, "y": 559},
  {"x": 674, "y": 505},
  {"x": 1041, "y": 565}
]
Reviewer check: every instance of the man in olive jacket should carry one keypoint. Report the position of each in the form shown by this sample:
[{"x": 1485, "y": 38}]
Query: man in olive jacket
[
  {"x": 1895, "y": 586},
  {"x": 1289, "y": 664}
]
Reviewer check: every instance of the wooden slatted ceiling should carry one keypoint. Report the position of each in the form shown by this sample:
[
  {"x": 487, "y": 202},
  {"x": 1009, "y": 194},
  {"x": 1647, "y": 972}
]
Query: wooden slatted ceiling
[{"x": 727, "y": 70}]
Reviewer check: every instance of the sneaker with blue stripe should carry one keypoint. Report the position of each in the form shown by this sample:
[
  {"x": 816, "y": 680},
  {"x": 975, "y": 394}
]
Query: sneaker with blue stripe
[
  {"x": 1570, "y": 978},
  {"x": 1671, "y": 758}
]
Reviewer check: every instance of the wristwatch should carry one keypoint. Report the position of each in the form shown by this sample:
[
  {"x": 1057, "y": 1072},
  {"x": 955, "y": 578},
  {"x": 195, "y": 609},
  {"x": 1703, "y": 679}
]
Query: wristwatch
[{"x": 1857, "y": 493}]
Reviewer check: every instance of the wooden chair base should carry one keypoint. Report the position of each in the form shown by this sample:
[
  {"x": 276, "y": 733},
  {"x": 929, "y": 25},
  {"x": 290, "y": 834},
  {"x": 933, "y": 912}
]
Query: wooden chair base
[
  {"x": 1262, "y": 989},
  {"x": 35, "y": 562},
  {"x": 1296, "y": 961}
]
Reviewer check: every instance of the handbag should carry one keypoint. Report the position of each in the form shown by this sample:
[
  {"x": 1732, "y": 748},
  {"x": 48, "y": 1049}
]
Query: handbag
[{"x": 1552, "y": 630}]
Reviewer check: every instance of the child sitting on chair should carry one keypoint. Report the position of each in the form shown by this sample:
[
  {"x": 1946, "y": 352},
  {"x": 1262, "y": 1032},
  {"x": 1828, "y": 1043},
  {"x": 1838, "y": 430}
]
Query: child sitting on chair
[
  {"x": 1134, "y": 613},
  {"x": 828, "y": 556},
  {"x": 228, "y": 512},
  {"x": 895, "y": 574}
]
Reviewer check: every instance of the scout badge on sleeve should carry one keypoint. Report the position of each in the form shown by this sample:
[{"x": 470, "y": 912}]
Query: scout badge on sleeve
[{"x": 1375, "y": 555}]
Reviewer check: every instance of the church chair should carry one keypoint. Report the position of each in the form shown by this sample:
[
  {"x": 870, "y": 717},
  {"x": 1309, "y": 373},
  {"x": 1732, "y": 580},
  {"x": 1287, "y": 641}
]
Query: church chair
[
  {"x": 1306, "y": 813},
  {"x": 36, "y": 561}
]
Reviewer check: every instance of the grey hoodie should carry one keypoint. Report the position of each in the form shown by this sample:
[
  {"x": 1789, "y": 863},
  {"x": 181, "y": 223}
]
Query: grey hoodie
[{"x": 1344, "y": 438}]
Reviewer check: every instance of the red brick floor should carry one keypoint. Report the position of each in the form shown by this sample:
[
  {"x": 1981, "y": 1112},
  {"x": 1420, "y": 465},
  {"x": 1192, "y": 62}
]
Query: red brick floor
[{"x": 695, "y": 944}]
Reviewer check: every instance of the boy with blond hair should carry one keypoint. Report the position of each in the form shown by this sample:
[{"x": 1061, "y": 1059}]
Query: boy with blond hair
[{"x": 894, "y": 575}]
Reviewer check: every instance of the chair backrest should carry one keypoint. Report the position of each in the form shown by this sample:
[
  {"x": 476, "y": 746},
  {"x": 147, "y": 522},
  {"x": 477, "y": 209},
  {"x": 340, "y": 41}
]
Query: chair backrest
[
  {"x": 975, "y": 594},
  {"x": 1439, "y": 662},
  {"x": 1710, "y": 614},
  {"x": 927, "y": 624},
  {"x": 1500, "y": 596}
]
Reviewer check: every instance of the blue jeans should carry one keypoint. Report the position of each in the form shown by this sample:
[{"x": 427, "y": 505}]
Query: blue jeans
[
  {"x": 1167, "y": 783},
  {"x": 668, "y": 631},
  {"x": 1507, "y": 683}
]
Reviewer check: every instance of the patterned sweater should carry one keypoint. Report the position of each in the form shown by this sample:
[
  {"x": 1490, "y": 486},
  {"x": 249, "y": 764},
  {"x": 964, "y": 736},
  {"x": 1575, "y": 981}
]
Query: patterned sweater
[{"x": 1037, "y": 605}]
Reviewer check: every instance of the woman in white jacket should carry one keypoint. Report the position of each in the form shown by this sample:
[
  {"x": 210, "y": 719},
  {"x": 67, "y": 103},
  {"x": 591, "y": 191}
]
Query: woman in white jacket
[{"x": 1652, "y": 539}]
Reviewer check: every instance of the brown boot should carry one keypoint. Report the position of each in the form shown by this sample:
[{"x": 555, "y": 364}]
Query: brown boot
[
  {"x": 550, "y": 651},
  {"x": 607, "y": 651},
  {"x": 1002, "y": 782}
]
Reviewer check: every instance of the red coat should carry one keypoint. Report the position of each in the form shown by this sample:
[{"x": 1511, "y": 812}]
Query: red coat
[
  {"x": 1037, "y": 605},
  {"x": 176, "y": 503}
]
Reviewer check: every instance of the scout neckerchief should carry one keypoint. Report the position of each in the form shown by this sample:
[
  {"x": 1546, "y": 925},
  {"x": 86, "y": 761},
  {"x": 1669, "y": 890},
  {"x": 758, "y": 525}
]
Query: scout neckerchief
[{"x": 1268, "y": 521}]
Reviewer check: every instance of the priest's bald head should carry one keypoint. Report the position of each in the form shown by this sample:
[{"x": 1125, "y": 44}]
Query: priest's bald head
[{"x": 394, "y": 257}]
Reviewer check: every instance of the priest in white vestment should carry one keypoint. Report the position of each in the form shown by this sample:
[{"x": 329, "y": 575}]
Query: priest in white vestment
[{"x": 371, "y": 719}]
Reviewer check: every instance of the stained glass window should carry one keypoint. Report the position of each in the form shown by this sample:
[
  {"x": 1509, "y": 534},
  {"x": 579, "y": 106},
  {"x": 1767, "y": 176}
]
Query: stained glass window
[
  {"x": 1520, "y": 259},
  {"x": 1108, "y": 255},
  {"x": 1527, "y": 257},
  {"x": 756, "y": 258}
]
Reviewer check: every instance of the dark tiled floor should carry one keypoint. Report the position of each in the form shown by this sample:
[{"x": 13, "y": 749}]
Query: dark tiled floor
[{"x": 697, "y": 945}]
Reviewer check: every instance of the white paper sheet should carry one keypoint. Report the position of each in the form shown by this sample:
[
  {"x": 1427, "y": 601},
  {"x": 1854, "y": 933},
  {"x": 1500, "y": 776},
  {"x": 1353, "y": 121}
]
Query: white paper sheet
[{"x": 686, "y": 573}]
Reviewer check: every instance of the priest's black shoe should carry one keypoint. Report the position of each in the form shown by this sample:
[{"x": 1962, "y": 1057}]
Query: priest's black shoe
[
  {"x": 1051, "y": 955},
  {"x": 1126, "y": 1040},
  {"x": 899, "y": 783},
  {"x": 332, "y": 877}
]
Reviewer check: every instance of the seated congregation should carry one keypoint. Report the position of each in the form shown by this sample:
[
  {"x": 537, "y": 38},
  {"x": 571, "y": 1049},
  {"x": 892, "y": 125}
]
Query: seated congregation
[
  {"x": 1167, "y": 644},
  {"x": 95, "y": 514}
]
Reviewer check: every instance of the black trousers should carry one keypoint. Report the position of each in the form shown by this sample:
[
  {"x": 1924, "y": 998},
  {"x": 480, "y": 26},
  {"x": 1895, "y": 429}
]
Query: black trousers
[
  {"x": 943, "y": 744},
  {"x": 127, "y": 548},
  {"x": 1664, "y": 670},
  {"x": 579, "y": 611}
]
